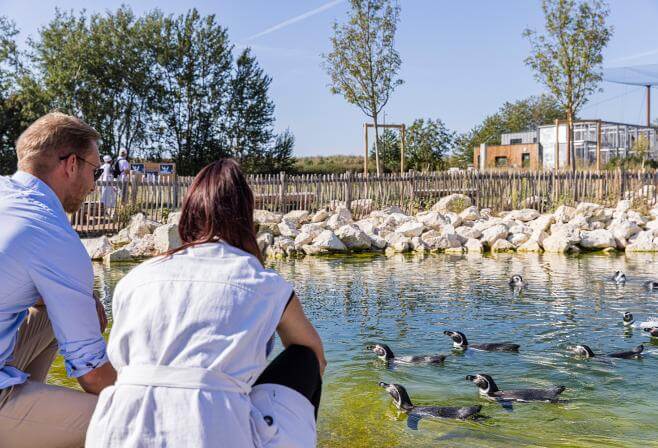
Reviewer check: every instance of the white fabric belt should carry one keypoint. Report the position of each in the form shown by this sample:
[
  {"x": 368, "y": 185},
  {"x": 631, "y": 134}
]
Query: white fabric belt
[{"x": 180, "y": 378}]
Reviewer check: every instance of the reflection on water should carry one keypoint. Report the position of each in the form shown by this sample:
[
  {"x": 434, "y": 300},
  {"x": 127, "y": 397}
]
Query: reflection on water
[{"x": 408, "y": 301}]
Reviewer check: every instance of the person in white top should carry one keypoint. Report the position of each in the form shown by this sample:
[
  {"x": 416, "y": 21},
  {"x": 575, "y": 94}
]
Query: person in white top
[
  {"x": 108, "y": 193},
  {"x": 124, "y": 165},
  {"x": 192, "y": 331}
]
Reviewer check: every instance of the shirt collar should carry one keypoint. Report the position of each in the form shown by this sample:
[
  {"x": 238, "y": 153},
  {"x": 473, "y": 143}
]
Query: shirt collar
[{"x": 36, "y": 184}]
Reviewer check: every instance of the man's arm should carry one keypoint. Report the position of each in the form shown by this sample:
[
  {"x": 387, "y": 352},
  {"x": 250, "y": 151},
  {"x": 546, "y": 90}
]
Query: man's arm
[{"x": 95, "y": 381}]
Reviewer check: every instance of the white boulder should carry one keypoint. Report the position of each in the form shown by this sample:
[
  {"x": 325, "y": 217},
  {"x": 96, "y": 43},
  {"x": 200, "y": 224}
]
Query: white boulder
[
  {"x": 455, "y": 203},
  {"x": 166, "y": 237},
  {"x": 97, "y": 248}
]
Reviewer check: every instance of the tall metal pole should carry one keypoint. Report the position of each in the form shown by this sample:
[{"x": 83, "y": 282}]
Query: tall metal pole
[{"x": 648, "y": 105}]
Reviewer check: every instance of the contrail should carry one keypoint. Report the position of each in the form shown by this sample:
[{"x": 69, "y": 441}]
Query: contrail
[
  {"x": 296, "y": 19},
  {"x": 636, "y": 56}
]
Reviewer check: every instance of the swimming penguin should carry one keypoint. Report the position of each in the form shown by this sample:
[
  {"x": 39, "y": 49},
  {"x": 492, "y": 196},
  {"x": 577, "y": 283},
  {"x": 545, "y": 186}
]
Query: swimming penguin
[
  {"x": 385, "y": 353},
  {"x": 632, "y": 354},
  {"x": 403, "y": 402},
  {"x": 459, "y": 341},
  {"x": 653, "y": 332},
  {"x": 488, "y": 388},
  {"x": 629, "y": 321},
  {"x": 517, "y": 281},
  {"x": 586, "y": 352},
  {"x": 651, "y": 285},
  {"x": 619, "y": 277}
]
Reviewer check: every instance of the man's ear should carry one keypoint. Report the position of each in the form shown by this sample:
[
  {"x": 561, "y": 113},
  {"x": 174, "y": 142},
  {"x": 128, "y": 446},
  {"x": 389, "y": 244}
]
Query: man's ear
[{"x": 71, "y": 165}]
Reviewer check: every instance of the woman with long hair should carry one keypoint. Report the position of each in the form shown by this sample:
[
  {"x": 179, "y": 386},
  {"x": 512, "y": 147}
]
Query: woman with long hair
[{"x": 192, "y": 331}]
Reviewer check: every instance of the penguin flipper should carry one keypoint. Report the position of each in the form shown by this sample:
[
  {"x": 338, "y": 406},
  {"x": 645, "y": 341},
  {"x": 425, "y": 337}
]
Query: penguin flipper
[
  {"x": 413, "y": 420},
  {"x": 506, "y": 404}
]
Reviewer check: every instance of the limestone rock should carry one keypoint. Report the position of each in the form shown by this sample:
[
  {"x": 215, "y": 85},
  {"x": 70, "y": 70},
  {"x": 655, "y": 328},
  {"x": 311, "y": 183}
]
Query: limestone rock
[
  {"x": 433, "y": 220},
  {"x": 303, "y": 238},
  {"x": 642, "y": 242},
  {"x": 296, "y": 216},
  {"x": 455, "y": 203},
  {"x": 468, "y": 232},
  {"x": 288, "y": 228},
  {"x": 417, "y": 245},
  {"x": 502, "y": 246},
  {"x": 97, "y": 248},
  {"x": 325, "y": 242},
  {"x": 121, "y": 238},
  {"x": 493, "y": 234},
  {"x": 353, "y": 237},
  {"x": 339, "y": 219},
  {"x": 139, "y": 226},
  {"x": 474, "y": 246},
  {"x": 320, "y": 216},
  {"x": 530, "y": 246},
  {"x": 174, "y": 218},
  {"x": 524, "y": 215},
  {"x": 470, "y": 214},
  {"x": 411, "y": 229},
  {"x": 142, "y": 247},
  {"x": 118, "y": 255},
  {"x": 265, "y": 216},
  {"x": 396, "y": 219},
  {"x": 166, "y": 237},
  {"x": 564, "y": 213},
  {"x": 269, "y": 227},
  {"x": 597, "y": 239},
  {"x": 590, "y": 211},
  {"x": 518, "y": 238},
  {"x": 264, "y": 241},
  {"x": 454, "y": 219},
  {"x": 399, "y": 242}
]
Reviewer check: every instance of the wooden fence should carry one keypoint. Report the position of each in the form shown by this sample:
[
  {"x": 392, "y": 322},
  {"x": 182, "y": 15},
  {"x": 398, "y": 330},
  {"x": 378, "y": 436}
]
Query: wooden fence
[{"x": 413, "y": 192}]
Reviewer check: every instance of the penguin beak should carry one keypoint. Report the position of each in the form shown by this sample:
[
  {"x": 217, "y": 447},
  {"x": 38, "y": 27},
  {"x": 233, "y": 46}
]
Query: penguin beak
[
  {"x": 448, "y": 333},
  {"x": 382, "y": 384},
  {"x": 470, "y": 377}
]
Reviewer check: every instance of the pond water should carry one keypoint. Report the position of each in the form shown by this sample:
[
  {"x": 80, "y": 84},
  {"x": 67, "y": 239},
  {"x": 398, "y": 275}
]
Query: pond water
[{"x": 408, "y": 301}]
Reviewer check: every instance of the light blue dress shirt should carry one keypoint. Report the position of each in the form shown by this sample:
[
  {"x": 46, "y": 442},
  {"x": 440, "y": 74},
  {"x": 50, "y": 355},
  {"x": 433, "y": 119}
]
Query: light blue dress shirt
[{"x": 41, "y": 256}]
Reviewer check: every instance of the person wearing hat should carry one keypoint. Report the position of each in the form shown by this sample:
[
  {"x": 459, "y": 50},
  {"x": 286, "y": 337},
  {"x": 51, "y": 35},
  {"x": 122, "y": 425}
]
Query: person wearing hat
[
  {"x": 108, "y": 197},
  {"x": 123, "y": 164}
]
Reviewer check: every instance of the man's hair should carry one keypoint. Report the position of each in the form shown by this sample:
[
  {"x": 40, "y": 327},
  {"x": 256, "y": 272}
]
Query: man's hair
[{"x": 52, "y": 136}]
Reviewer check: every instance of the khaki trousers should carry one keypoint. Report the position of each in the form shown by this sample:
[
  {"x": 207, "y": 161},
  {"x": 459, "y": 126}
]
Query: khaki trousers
[{"x": 37, "y": 415}]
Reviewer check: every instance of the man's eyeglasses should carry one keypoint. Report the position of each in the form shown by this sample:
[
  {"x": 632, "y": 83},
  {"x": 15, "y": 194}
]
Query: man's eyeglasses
[{"x": 98, "y": 171}]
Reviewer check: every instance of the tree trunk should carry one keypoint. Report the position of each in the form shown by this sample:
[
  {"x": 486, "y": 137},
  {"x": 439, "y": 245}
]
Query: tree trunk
[
  {"x": 570, "y": 146},
  {"x": 374, "y": 118}
]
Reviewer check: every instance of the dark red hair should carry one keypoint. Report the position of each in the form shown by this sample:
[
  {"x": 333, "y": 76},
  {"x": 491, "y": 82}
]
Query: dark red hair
[{"x": 219, "y": 205}]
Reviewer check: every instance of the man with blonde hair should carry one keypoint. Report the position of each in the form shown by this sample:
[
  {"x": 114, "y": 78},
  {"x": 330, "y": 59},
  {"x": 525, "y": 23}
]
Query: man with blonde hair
[{"x": 46, "y": 288}]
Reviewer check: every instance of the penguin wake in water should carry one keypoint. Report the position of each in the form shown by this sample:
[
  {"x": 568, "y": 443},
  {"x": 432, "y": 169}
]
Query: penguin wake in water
[
  {"x": 460, "y": 342},
  {"x": 629, "y": 321},
  {"x": 619, "y": 277},
  {"x": 586, "y": 352},
  {"x": 488, "y": 388},
  {"x": 517, "y": 282},
  {"x": 385, "y": 353},
  {"x": 653, "y": 332},
  {"x": 403, "y": 402}
]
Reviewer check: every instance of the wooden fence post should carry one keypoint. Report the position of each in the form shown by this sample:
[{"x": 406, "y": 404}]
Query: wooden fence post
[
  {"x": 133, "y": 189},
  {"x": 348, "y": 190},
  {"x": 282, "y": 191}
]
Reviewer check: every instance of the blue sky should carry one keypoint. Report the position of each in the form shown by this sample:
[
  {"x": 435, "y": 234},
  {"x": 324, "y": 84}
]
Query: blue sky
[{"x": 461, "y": 59}]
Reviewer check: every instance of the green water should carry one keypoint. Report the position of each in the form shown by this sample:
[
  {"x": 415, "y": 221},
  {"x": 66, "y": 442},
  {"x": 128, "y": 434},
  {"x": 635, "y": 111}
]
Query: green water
[{"x": 407, "y": 302}]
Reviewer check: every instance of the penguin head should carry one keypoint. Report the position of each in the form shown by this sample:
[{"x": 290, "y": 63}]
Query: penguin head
[
  {"x": 651, "y": 285},
  {"x": 383, "y": 351},
  {"x": 619, "y": 277},
  {"x": 399, "y": 395},
  {"x": 516, "y": 280},
  {"x": 584, "y": 351},
  {"x": 458, "y": 338},
  {"x": 484, "y": 382},
  {"x": 652, "y": 331},
  {"x": 639, "y": 349},
  {"x": 628, "y": 319}
]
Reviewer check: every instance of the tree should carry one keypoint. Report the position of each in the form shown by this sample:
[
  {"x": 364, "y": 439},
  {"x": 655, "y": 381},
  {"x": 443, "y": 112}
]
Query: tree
[
  {"x": 10, "y": 113},
  {"x": 192, "y": 73},
  {"x": 427, "y": 143},
  {"x": 363, "y": 63},
  {"x": 567, "y": 58},
  {"x": 640, "y": 148},
  {"x": 250, "y": 111},
  {"x": 517, "y": 116},
  {"x": 389, "y": 151}
]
